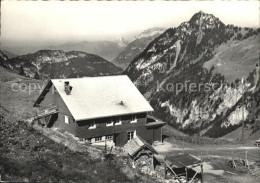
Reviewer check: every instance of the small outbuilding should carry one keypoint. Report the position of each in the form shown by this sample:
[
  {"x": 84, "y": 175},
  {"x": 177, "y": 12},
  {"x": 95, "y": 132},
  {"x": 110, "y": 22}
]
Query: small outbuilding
[
  {"x": 137, "y": 148},
  {"x": 184, "y": 167}
]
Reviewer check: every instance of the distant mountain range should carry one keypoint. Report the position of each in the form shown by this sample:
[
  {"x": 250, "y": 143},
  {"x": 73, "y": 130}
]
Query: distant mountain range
[
  {"x": 202, "y": 51},
  {"x": 108, "y": 50},
  {"x": 135, "y": 47},
  {"x": 59, "y": 64},
  {"x": 4, "y": 61},
  {"x": 9, "y": 54}
]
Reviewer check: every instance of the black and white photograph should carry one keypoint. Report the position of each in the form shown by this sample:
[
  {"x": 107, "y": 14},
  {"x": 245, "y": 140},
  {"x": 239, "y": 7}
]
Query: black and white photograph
[{"x": 130, "y": 91}]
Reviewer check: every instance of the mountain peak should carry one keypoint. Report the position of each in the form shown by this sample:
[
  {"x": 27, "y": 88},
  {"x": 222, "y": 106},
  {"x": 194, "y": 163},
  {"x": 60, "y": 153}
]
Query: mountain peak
[
  {"x": 204, "y": 20},
  {"x": 150, "y": 32},
  {"x": 202, "y": 14},
  {"x": 121, "y": 42}
]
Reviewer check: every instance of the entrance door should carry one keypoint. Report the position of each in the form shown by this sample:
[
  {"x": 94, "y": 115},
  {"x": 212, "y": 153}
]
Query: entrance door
[
  {"x": 120, "y": 139},
  {"x": 157, "y": 136},
  {"x": 52, "y": 120}
]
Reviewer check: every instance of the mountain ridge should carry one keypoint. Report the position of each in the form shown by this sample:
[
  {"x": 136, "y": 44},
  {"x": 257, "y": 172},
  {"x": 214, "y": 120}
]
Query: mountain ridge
[
  {"x": 48, "y": 64},
  {"x": 176, "y": 58},
  {"x": 135, "y": 47},
  {"x": 105, "y": 49}
]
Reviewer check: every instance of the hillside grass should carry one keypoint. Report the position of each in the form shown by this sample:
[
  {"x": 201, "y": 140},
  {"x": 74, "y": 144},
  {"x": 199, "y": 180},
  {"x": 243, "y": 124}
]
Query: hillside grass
[
  {"x": 236, "y": 59},
  {"x": 15, "y": 95},
  {"x": 27, "y": 155}
]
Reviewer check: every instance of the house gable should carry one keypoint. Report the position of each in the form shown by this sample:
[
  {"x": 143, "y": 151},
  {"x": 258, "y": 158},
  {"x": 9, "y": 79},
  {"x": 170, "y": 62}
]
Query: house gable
[{"x": 49, "y": 98}]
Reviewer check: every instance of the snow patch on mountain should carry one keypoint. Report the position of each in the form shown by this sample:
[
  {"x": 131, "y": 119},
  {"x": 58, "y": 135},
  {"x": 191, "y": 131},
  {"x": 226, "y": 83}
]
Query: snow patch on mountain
[
  {"x": 121, "y": 42},
  {"x": 236, "y": 117},
  {"x": 150, "y": 32},
  {"x": 177, "y": 46}
]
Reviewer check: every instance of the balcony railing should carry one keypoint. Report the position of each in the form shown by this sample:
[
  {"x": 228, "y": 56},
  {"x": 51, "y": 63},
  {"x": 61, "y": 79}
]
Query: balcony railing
[{"x": 47, "y": 111}]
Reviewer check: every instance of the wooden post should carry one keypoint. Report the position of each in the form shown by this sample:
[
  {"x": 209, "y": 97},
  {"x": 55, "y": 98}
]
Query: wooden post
[
  {"x": 153, "y": 137},
  {"x": 246, "y": 154},
  {"x": 165, "y": 170},
  {"x": 161, "y": 135},
  {"x": 105, "y": 144},
  {"x": 194, "y": 176},
  {"x": 186, "y": 170},
  {"x": 233, "y": 162},
  {"x": 201, "y": 169},
  {"x": 183, "y": 145},
  {"x": 134, "y": 162},
  {"x": 246, "y": 161},
  {"x": 153, "y": 161},
  {"x": 243, "y": 108},
  {"x": 111, "y": 149},
  {"x": 169, "y": 167}
]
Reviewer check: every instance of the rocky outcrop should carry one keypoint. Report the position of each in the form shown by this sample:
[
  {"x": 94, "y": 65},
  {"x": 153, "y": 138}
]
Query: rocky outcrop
[{"x": 183, "y": 90}]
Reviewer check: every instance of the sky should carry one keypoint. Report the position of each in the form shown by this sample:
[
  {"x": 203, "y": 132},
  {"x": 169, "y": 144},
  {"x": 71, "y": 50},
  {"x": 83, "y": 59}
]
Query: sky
[{"x": 56, "y": 22}]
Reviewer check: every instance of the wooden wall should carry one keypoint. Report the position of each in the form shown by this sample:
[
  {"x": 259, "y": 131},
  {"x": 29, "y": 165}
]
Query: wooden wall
[
  {"x": 52, "y": 98},
  {"x": 83, "y": 131},
  {"x": 120, "y": 131}
]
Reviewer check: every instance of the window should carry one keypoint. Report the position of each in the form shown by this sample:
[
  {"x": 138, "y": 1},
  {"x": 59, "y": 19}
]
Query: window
[
  {"x": 118, "y": 120},
  {"x": 98, "y": 139},
  {"x": 92, "y": 125},
  {"x": 109, "y": 137},
  {"x": 67, "y": 119},
  {"x": 109, "y": 123},
  {"x": 133, "y": 119},
  {"x": 88, "y": 140},
  {"x": 130, "y": 135}
]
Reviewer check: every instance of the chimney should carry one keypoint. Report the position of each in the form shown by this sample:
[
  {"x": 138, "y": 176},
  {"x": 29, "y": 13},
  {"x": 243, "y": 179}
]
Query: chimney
[{"x": 67, "y": 87}]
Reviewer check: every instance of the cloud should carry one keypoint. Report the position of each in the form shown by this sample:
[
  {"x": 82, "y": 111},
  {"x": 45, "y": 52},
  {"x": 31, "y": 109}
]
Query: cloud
[{"x": 98, "y": 20}]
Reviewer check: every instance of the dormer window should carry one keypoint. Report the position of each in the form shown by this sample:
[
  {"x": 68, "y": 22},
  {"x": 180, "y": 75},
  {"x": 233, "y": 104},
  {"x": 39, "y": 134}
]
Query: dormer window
[
  {"x": 92, "y": 125},
  {"x": 109, "y": 123},
  {"x": 118, "y": 120},
  {"x": 133, "y": 119}
]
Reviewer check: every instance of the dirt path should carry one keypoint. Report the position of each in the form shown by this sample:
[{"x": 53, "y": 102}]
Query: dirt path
[
  {"x": 167, "y": 147},
  {"x": 215, "y": 158}
]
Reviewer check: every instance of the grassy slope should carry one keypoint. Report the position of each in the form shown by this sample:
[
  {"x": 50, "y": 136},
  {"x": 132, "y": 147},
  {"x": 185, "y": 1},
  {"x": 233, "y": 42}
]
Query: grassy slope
[
  {"x": 248, "y": 134},
  {"x": 26, "y": 155},
  {"x": 236, "y": 59},
  {"x": 19, "y": 102}
]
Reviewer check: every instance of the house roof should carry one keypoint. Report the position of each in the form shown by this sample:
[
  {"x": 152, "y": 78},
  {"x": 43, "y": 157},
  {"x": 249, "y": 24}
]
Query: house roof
[
  {"x": 95, "y": 97},
  {"x": 152, "y": 122},
  {"x": 156, "y": 123},
  {"x": 134, "y": 145},
  {"x": 182, "y": 160}
]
